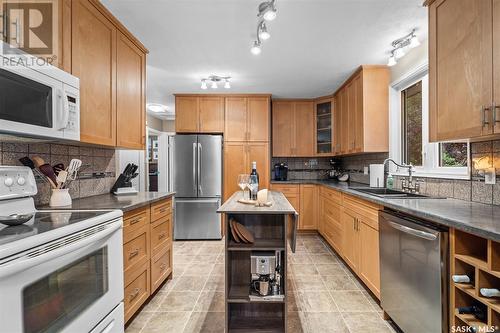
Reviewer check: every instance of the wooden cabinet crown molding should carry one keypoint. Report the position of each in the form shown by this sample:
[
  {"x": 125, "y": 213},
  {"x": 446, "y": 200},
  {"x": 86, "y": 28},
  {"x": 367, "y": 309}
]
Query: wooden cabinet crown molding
[
  {"x": 221, "y": 95},
  {"x": 118, "y": 24}
]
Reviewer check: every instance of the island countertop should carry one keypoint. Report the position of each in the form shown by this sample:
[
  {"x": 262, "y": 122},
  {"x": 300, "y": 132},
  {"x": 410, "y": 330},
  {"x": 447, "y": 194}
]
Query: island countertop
[{"x": 280, "y": 205}]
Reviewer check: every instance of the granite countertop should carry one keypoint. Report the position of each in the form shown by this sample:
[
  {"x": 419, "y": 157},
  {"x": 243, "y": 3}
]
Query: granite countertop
[
  {"x": 280, "y": 205},
  {"x": 476, "y": 218},
  {"x": 110, "y": 201}
]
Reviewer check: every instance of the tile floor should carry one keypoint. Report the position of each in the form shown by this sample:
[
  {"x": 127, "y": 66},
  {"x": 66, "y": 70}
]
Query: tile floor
[{"x": 325, "y": 296}]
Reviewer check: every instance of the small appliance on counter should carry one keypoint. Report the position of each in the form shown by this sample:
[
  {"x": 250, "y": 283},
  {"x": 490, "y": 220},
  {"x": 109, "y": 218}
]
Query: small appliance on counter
[
  {"x": 377, "y": 175},
  {"x": 266, "y": 276},
  {"x": 281, "y": 171},
  {"x": 333, "y": 173},
  {"x": 123, "y": 185}
]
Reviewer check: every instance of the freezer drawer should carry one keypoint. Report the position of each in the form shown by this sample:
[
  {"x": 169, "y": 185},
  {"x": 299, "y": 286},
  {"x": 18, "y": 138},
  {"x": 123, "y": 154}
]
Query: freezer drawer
[{"x": 197, "y": 219}]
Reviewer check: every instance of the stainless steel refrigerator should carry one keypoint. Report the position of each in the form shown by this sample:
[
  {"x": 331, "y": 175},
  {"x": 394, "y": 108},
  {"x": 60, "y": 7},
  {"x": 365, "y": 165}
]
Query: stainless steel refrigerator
[{"x": 197, "y": 178}]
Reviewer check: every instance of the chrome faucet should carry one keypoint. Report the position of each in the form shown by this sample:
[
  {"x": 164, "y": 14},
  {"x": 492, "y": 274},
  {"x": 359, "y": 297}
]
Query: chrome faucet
[{"x": 410, "y": 186}]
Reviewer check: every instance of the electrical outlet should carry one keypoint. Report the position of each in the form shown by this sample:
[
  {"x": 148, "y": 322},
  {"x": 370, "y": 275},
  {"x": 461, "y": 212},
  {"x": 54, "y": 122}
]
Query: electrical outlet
[
  {"x": 365, "y": 170},
  {"x": 490, "y": 176}
]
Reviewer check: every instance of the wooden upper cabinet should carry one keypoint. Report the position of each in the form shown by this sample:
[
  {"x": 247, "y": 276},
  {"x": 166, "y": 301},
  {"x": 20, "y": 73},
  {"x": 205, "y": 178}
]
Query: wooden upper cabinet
[
  {"x": 283, "y": 113},
  {"x": 186, "y": 114},
  {"x": 293, "y": 128},
  {"x": 130, "y": 92},
  {"x": 247, "y": 119},
  {"x": 496, "y": 65},
  {"x": 258, "y": 119},
  {"x": 304, "y": 129},
  {"x": 363, "y": 112},
  {"x": 93, "y": 59},
  {"x": 211, "y": 114},
  {"x": 323, "y": 124},
  {"x": 460, "y": 68},
  {"x": 236, "y": 119}
]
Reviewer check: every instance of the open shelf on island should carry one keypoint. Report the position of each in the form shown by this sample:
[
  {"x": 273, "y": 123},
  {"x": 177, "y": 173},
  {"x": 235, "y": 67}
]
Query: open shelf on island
[
  {"x": 256, "y": 317},
  {"x": 258, "y": 245}
]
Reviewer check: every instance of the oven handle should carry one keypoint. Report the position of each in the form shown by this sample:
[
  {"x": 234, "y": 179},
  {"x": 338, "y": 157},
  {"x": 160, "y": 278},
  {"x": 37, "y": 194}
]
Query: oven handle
[{"x": 24, "y": 263}]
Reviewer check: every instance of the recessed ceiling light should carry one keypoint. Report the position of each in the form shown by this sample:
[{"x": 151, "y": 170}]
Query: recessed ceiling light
[{"x": 156, "y": 108}]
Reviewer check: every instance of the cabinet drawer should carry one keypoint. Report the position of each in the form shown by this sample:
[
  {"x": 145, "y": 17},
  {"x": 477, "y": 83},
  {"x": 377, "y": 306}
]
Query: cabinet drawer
[
  {"x": 136, "y": 248},
  {"x": 161, "y": 209},
  {"x": 161, "y": 234},
  {"x": 362, "y": 208},
  {"x": 161, "y": 267},
  {"x": 331, "y": 210},
  {"x": 135, "y": 220},
  {"x": 137, "y": 290},
  {"x": 333, "y": 195},
  {"x": 285, "y": 188}
]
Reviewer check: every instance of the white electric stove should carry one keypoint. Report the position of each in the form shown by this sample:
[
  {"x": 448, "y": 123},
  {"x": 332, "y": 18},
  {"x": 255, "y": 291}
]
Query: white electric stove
[{"x": 60, "y": 271}]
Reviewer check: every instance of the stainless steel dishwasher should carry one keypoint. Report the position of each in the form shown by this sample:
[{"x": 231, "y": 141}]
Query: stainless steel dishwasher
[{"x": 414, "y": 273}]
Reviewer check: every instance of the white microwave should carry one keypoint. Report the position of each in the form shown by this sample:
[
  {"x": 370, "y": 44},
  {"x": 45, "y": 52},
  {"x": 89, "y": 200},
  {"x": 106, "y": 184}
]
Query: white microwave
[{"x": 37, "y": 99}]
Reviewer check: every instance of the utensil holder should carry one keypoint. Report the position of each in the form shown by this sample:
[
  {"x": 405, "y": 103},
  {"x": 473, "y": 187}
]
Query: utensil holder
[{"x": 60, "y": 198}]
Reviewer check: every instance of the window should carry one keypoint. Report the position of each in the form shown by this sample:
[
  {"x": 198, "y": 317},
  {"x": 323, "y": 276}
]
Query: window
[{"x": 409, "y": 133}]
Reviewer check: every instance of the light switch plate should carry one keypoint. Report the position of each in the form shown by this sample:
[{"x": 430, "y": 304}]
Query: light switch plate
[
  {"x": 365, "y": 170},
  {"x": 490, "y": 176}
]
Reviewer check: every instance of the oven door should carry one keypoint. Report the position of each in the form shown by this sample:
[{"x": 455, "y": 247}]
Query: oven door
[
  {"x": 68, "y": 285},
  {"x": 31, "y": 103}
]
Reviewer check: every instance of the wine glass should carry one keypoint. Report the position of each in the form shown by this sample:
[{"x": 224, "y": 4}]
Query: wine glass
[
  {"x": 243, "y": 180},
  {"x": 253, "y": 185}
]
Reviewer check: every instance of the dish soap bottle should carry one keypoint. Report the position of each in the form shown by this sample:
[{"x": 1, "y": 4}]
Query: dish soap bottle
[{"x": 390, "y": 182}]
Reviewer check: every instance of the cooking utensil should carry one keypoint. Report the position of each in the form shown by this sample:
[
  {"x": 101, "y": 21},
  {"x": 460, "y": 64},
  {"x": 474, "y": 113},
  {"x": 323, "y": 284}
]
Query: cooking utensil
[
  {"x": 38, "y": 161},
  {"x": 47, "y": 170},
  {"x": 62, "y": 176},
  {"x": 58, "y": 168},
  {"x": 73, "y": 167},
  {"x": 26, "y": 161},
  {"x": 15, "y": 219}
]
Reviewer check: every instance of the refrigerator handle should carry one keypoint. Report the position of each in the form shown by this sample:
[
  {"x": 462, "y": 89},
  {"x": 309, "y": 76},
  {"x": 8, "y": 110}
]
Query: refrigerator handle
[
  {"x": 194, "y": 165},
  {"x": 200, "y": 151}
]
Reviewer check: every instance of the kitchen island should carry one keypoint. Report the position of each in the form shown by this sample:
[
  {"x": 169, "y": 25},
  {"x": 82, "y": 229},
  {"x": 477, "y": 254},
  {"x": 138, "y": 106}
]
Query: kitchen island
[{"x": 270, "y": 229}]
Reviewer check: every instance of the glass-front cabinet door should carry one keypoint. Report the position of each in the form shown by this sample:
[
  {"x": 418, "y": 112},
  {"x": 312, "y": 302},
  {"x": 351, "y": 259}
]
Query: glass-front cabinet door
[{"x": 324, "y": 127}]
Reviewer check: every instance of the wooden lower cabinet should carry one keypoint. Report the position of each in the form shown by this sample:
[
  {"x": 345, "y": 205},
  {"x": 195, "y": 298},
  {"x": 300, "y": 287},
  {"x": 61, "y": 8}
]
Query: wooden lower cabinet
[
  {"x": 147, "y": 252},
  {"x": 369, "y": 261},
  {"x": 350, "y": 249},
  {"x": 330, "y": 224},
  {"x": 291, "y": 192},
  {"x": 308, "y": 219}
]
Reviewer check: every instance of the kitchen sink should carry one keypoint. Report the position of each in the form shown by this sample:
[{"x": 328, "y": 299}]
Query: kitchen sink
[{"x": 389, "y": 193}]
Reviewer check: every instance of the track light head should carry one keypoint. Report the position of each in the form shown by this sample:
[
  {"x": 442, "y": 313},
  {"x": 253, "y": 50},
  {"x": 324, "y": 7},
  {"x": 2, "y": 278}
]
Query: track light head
[
  {"x": 256, "y": 49},
  {"x": 263, "y": 33},
  {"x": 267, "y": 10}
]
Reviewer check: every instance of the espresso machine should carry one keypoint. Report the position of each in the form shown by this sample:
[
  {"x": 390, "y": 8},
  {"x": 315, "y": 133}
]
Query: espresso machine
[{"x": 266, "y": 276}]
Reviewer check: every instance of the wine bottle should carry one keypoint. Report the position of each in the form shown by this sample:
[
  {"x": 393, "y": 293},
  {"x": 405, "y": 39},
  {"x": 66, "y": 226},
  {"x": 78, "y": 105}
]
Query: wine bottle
[
  {"x": 461, "y": 278},
  {"x": 475, "y": 310},
  {"x": 490, "y": 292},
  {"x": 254, "y": 181}
]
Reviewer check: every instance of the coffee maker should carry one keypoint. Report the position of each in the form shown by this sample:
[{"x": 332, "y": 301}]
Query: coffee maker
[
  {"x": 266, "y": 276},
  {"x": 280, "y": 171}
]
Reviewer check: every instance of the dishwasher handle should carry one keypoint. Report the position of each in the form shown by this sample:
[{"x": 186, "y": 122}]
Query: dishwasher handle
[{"x": 414, "y": 232}]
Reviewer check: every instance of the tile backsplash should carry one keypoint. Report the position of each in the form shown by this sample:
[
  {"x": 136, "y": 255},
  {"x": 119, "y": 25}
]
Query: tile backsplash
[
  {"x": 96, "y": 176},
  {"x": 304, "y": 168}
]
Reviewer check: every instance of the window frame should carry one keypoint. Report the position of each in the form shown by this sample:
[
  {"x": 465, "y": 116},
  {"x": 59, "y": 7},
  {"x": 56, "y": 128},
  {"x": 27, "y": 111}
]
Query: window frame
[{"x": 430, "y": 151}]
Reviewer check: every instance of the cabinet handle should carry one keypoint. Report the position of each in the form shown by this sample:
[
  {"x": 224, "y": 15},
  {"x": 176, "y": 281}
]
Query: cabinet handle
[
  {"x": 494, "y": 110},
  {"x": 133, "y": 253},
  {"x": 163, "y": 266},
  {"x": 133, "y": 295},
  {"x": 483, "y": 114},
  {"x": 134, "y": 221},
  {"x": 162, "y": 235},
  {"x": 163, "y": 210}
]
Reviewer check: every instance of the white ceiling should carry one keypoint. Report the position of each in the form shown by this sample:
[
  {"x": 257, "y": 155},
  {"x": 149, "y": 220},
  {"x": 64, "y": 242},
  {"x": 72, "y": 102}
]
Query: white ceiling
[{"x": 314, "y": 46}]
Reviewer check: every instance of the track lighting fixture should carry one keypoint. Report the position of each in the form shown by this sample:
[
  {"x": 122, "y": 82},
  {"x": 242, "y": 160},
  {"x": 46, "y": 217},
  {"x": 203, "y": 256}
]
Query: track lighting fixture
[
  {"x": 400, "y": 45},
  {"x": 267, "y": 12},
  {"x": 214, "y": 80},
  {"x": 263, "y": 33}
]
